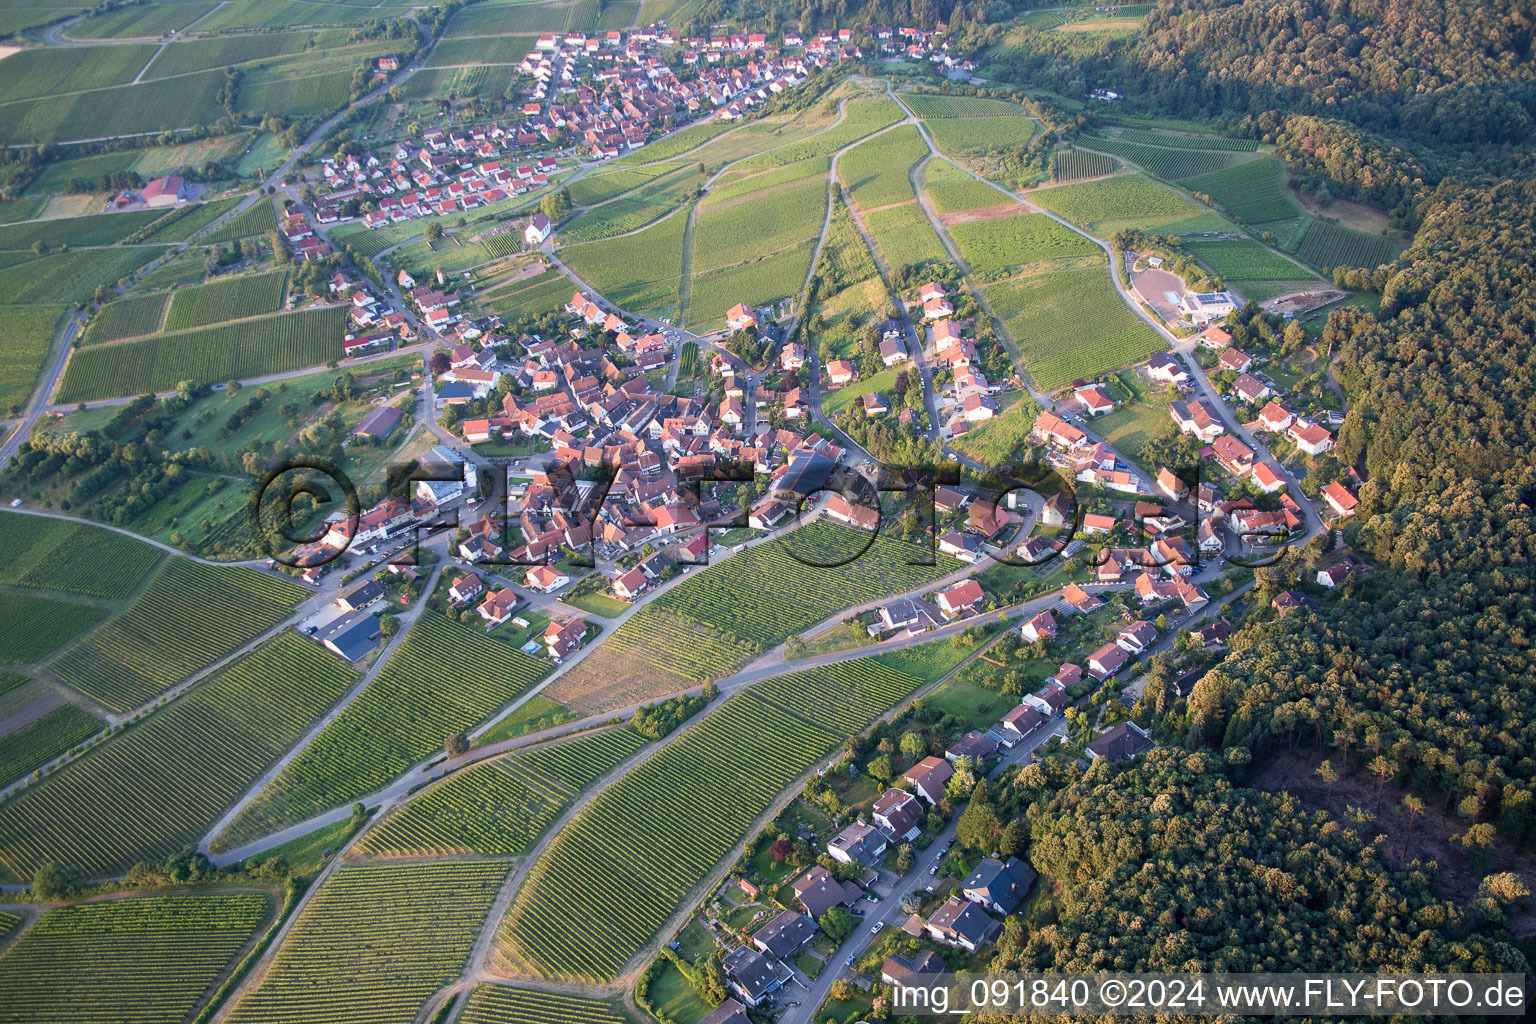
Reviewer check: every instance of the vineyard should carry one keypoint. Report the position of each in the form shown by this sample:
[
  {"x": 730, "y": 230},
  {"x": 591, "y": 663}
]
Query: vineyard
[
  {"x": 730, "y": 231},
  {"x": 29, "y": 334},
  {"x": 1125, "y": 201},
  {"x": 927, "y": 105},
  {"x": 843, "y": 697},
  {"x": 126, "y": 318},
  {"x": 1009, "y": 241},
  {"x": 759, "y": 281},
  {"x": 634, "y": 211},
  {"x": 142, "y": 960},
  {"x": 688, "y": 365},
  {"x": 42, "y": 739},
  {"x": 272, "y": 344},
  {"x": 62, "y": 555},
  {"x": 1168, "y": 164},
  {"x": 233, "y": 298},
  {"x": 1141, "y": 136},
  {"x": 904, "y": 236},
  {"x": 639, "y": 272},
  {"x": 1070, "y": 324},
  {"x": 256, "y": 219},
  {"x": 677, "y": 143},
  {"x": 610, "y": 879},
  {"x": 594, "y": 189},
  {"x": 1245, "y": 260},
  {"x": 1327, "y": 245},
  {"x": 186, "y": 763},
  {"x": 500, "y": 807},
  {"x": 864, "y": 116},
  {"x": 399, "y": 720},
  {"x": 1076, "y": 164},
  {"x": 35, "y": 625},
  {"x": 981, "y": 134},
  {"x": 952, "y": 190},
  {"x": 1254, "y": 192},
  {"x": 71, "y": 276},
  {"x": 625, "y": 863},
  {"x": 189, "y": 616},
  {"x": 845, "y": 259},
  {"x": 374, "y": 943},
  {"x": 531, "y": 297},
  {"x": 652, "y": 654},
  {"x": 875, "y": 172},
  {"x": 502, "y": 1004},
  {"x": 773, "y": 590}
]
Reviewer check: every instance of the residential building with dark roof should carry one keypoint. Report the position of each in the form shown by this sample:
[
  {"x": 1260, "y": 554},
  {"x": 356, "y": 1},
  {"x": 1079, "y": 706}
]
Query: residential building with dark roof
[
  {"x": 785, "y": 935},
  {"x": 999, "y": 886}
]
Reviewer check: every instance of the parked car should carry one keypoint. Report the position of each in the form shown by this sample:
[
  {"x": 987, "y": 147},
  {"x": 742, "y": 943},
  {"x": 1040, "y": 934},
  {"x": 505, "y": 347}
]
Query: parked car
[
  {"x": 876, "y": 929},
  {"x": 933, "y": 870}
]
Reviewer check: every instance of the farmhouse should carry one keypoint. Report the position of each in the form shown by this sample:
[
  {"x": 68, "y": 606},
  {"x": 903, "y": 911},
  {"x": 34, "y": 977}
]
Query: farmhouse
[
  {"x": 166, "y": 191},
  {"x": 352, "y": 636},
  {"x": 860, "y": 517}
]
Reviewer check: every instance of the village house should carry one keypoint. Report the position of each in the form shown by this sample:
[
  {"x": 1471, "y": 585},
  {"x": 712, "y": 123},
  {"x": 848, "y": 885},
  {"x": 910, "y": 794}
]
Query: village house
[
  {"x": 960, "y": 598},
  {"x": 858, "y": 844},
  {"x": 929, "y": 777},
  {"x": 999, "y": 886}
]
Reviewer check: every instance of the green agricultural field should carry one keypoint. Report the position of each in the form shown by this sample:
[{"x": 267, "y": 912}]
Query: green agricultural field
[
  {"x": 76, "y": 232},
  {"x": 864, "y": 116},
  {"x": 510, "y": 18},
  {"x": 257, "y": 219},
  {"x": 544, "y": 292},
  {"x": 930, "y": 106},
  {"x": 41, "y": 740},
  {"x": 398, "y": 721},
  {"x": 845, "y": 259},
  {"x": 189, "y": 761},
  {"x": 771, "y": 591},
  {"x": 677, "y": 143},
  {"x": 1000, "y": 440},
  {"x": 299, "y": 96},
  {"x": 189, "y": 617},
  {"x": 481, "y": 50},
  {"x": 501, "y": 807},
  {"x": 904, "y": 236},
  {"x": 636, "y": 210},
  {"x": 749, "y": 181},
  {"x": 1077, "y": 164},
  {"x": 1254, "y": 192},
  {"x": 29, "y": 333},
  {"x": 1245, "y": 260},
  {"x": 989, "y": 245},
  {"x": 228, "y": 298},
  {"x": 639, "y": 272},
  {"x": 758, "y": 281},
  {"x": 49, "y": 72},
  {"x": 374, "y": 943},
  {"x": 189, "y": 55},
  {"x": 187, "y": 267},
  {"x": 1174, "y": 140},
  {"x": 1327, "y": 245},
  {"x": 251, "y": 348},
  {"x": 71, "y": 277},
  {"x": 126, "y": 318},
  {"x": 139, "y": 20},
  {"x": 1125, "y": 201},
  {"x": 979, "y": 135},
  {"x": 653, "y": 859},
  {"x": 1168, "y": 164},
  {"x": 57, "y": 554},
  {"x": 654, "y": 653},
  {"x": 146, "y": 107},
  {"x": 875, "y": 172},
  {"x": 1070, "y": 324},
  {"x": 764, "y": 222},
  {"x": 36, "y": 625},
  {"x": 139, "y": 960},
  {"x": 953, "y": 190},
  {"x": 599, "y": 188},
  {"x": 189, "y": 220},
  {"x": 502, "y": 1004}
]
